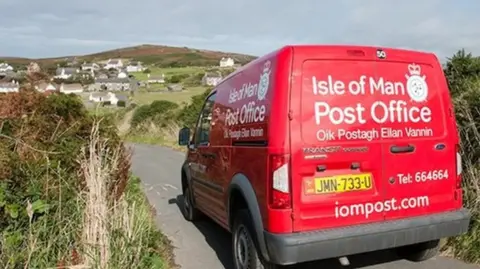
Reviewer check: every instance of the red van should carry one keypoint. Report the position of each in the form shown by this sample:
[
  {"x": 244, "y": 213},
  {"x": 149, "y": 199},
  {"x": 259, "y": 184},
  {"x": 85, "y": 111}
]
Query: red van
[{"x": 315, "y": 152}]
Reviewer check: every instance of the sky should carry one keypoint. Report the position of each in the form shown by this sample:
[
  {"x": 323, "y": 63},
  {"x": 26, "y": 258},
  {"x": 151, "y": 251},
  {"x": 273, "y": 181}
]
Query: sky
[{"x": 58, "y": 28}]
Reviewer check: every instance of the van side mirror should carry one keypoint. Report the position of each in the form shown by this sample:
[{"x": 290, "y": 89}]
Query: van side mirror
[{"x": 184, "y": 136}]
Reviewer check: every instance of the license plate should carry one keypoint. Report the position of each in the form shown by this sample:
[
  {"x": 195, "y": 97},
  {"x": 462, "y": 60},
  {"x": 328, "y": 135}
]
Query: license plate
[{"x": 341, "y": 183}]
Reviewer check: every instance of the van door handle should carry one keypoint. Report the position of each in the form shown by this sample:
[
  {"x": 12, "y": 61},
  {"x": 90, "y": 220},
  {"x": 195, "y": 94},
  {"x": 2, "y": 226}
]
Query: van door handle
[
  {"x": 402, "y": 149},
  {"x": 209, "y": 155}
]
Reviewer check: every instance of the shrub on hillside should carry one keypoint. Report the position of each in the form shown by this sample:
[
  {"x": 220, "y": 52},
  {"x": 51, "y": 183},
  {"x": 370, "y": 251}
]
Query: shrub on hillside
[
  {"x": 194, "y": 80},
  {"x": 159, "y": 111},
  {"x": 121, "y": 103},
  {"x": 189, "y": 114},
  {"x": 177, "y": 78}
]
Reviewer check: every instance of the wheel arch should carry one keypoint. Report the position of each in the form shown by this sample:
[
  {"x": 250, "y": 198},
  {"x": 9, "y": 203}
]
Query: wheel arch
[{"x": 242, "y": 195}]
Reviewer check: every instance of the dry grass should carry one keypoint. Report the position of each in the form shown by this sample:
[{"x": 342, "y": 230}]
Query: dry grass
[
  {"x": 116, "y": 233},
  {"x": 95, "y": 229}
]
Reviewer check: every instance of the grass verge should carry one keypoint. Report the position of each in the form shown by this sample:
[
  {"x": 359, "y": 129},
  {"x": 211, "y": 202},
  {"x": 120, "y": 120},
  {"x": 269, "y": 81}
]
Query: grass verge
[
  {"x": 118, "y": 233},
  {"x": 154, "y": 134}
]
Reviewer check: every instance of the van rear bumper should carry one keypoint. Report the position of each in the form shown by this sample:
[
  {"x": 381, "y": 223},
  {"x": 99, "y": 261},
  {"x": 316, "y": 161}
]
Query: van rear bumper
[{"x": 293, "y": 248}]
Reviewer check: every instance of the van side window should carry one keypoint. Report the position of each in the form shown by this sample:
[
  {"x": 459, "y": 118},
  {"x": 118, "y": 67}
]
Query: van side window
[{"x": 202, "y": 133}]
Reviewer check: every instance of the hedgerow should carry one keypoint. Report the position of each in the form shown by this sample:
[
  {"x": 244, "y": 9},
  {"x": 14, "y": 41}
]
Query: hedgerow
[
  {"x": 66, "y": 188},
  {"x": 463, "y": 74}
]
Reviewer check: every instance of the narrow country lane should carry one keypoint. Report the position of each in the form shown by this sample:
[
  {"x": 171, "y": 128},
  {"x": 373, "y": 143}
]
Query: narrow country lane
[{"x": 206, "y": 245}]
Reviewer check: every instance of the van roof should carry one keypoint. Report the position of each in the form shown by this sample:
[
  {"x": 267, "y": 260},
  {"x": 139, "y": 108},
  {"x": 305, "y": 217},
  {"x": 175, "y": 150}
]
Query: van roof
[{"x": 320, "y": 46}]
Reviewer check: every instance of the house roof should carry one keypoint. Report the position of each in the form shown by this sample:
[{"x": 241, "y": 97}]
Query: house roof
[
  {"x": 9, "y": 73},
  {"x": 112, "y": 80},
  {"x": 4, "y": 65},
  {"x": 113, "y": 61},
  {"x": 88, "y": 64},
  {"x": 74, "y": 86},
  {"x": 122, "y": 97},
  {"x": 99, "y": 94},
  {"x": 8, "y": 85},
  {"x": 175, "y": 87},
  {"x": 67, "y": 70},
  {"x": 44, "y": 85}
]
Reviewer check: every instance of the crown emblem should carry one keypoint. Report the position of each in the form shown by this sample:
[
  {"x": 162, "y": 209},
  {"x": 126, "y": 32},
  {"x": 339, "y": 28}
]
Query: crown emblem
[
  {"x": 414, "y": 69},
  {"x": 266, "y": 66}
]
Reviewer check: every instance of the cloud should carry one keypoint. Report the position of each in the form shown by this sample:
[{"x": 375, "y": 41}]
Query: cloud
[{"x": 35, "y": 29}]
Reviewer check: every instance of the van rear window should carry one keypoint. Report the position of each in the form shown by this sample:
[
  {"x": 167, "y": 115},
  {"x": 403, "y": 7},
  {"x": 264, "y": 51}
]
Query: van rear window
[{"x": 367, "y": 100}]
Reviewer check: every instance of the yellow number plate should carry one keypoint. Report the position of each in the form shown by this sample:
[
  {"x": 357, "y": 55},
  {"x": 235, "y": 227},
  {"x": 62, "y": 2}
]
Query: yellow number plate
[{"x": 343, "y": 183}]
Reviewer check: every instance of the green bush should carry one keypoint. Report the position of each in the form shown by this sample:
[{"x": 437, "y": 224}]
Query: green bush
[
  {"x": 160, "y": 111},
  {"x": 177, "y": 78},
  {"x": 121, "y": 103},
  {"x": 41, "y": 139},
  {"x": 189, "y": 114},
  {"x": 463, "y": 75}
]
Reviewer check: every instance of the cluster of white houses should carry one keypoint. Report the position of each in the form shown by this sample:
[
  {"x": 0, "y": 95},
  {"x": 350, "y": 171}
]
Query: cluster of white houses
[{"x": 110, "y": 75}]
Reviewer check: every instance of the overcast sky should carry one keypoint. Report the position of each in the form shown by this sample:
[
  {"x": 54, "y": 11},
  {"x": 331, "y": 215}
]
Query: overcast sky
[{"x": 56, "y": 28}]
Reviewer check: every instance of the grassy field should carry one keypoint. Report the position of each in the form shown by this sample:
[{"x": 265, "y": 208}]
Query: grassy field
[
  {"x": 142, "y": 98},
  {"x": 168, "y": 71}
]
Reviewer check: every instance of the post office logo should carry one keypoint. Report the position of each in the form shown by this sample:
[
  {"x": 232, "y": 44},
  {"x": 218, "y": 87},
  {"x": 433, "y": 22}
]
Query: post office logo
[
  {"x": 417, "y": 87},
  {"x": 264, "y": 81}
]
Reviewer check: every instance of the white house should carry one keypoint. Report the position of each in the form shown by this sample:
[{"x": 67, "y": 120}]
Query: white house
[
  {"x": 91, "y": 67},
  {"x": 135, "y": 67},
  {"x": 7, "y": 87},
  {"x": 227, "y": 62},
  {"x": 66, "y": 72},
  {"x": 122, "y": 74},
  {"x": 99, "y": 97},
  {"x": 156, "y": 78},
  {"x": 4, "y": 67},
  {"x": 113, "y": 63},
  {"x": 71, "y": 88},
  {"x": 211, "y": 78},
  {"x": 46, "y": 87}
]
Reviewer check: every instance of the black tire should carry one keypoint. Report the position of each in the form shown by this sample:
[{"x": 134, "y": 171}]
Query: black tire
[
  {"x": 420, "y": 252},
  {"x": 245, "y": 253},
  {"x": 190, "y": 212}
]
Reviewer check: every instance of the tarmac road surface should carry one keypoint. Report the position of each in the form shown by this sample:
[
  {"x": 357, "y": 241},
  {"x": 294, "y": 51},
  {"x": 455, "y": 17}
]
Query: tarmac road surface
[{"x": 206, "y": 245}]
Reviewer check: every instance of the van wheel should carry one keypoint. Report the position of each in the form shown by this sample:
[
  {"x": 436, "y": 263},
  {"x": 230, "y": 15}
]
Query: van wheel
[
  {"x": 245, "y": 254},
  {"x": 420, "y": 252},
  {"x": 189, "y": 211}
]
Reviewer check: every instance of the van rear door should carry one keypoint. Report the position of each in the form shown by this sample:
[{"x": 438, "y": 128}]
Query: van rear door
[
  {"x": 373, "y": 137},
  {"x": 419, "y": 134},
  {"x": 336, "y": 153}
]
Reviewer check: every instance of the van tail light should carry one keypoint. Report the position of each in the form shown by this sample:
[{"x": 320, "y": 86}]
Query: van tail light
[
  {"x": 280, "y": 196},
  {"x": 458, "y": 160}
]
